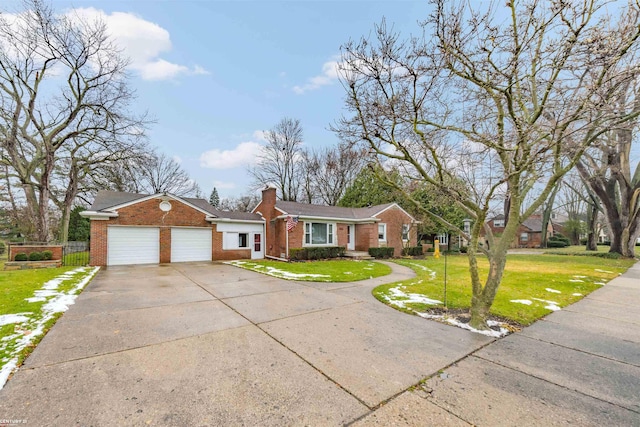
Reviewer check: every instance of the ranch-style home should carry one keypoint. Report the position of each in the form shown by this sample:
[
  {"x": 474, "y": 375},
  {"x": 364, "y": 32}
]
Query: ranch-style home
[
  {"x": 128, "y": 228},
  {"x": 357, "y": 229}
]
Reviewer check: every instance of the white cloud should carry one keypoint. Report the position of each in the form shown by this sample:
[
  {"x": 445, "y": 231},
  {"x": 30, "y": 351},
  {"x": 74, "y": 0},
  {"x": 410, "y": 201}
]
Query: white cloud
[
  {"x": 142, "y": 41},
  {"x": 259, "y": 135},
  {"x": 244, "y": 154},
  {"x": 223, "y": 185},
  {"x": 329, "y": 75},
  {"x": 177, "y": 159}
]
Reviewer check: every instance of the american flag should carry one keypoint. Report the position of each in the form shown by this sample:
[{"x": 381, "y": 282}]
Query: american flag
[{"x": 292, "y": 221}]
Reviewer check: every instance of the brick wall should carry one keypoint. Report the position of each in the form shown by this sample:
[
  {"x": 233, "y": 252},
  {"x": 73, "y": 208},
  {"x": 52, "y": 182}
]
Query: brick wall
[
  {"x": 56, "y": 250},
  {"x": 395, "y": 218},
  {"x": 148, "y": 213},
  {"x": 366, "y": 237}
]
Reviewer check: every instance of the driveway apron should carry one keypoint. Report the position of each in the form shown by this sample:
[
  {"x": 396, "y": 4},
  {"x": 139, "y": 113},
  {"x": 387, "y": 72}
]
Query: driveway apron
[{"x": 212, "y": 344}]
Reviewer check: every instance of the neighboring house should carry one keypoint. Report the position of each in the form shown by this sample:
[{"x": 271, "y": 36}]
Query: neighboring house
[
  {"x": 129, "y": 228},
  {"x": 529, "y": 234},
  {"x": 356, "y": 229}
]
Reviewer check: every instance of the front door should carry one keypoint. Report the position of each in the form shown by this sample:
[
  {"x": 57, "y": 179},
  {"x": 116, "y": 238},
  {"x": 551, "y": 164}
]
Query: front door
[
  {"x": 351, "y": 237},
  {"x": 257, "y": 251}
]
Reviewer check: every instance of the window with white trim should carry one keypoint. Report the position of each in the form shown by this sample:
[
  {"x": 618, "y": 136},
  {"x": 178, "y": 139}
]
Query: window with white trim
[
  {"x": 318, "y": 233},
  {"x": 498, "y": 223},
  {"x": 231, "y": 240},
  {"x": 382, "y": 232},
  {"x": 405, "y": 232},
  {"x": 443, "y": 239},
  {"x": 524, "y": 237}
]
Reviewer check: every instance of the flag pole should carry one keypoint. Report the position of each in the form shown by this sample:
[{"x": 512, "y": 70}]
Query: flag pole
[{"x": 286, "y": 230}]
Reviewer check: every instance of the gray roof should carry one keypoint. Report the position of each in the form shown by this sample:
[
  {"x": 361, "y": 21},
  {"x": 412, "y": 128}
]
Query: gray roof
[
  {"x": 533, "y": 224},
  {"x": 319, "y": 211},
  {"x": 108, "y": 199}
]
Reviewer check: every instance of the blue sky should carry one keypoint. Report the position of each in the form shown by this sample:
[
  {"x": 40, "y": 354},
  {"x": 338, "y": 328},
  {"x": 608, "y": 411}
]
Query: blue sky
[{"x": 214, "y": 74}]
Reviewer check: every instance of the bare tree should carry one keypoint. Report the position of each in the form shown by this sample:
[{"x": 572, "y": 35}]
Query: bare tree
[
  {"x": 62, "y": 83},
  {"x": 612, "y": 176},
  {"x": 244, "y": 203},
  {"x": 280, "y": 160},
  {"x": 507, "y": 106},
  {"x": 332, "y": 170},
  {"x": 160, "y": 174}
]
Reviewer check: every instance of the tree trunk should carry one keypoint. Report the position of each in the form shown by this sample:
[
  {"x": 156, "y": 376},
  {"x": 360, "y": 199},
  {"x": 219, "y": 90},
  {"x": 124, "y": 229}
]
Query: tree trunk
[{"x": 592, "y": 223}]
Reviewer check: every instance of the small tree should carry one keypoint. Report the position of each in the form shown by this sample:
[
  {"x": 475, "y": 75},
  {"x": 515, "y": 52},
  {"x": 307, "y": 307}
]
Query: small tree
[{"x": 214, "y": 198}]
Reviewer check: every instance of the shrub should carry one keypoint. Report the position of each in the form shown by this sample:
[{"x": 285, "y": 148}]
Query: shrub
[
  {"x": 412, "y": 251},
  {"x": 300, "y": 254},
  {"x": 381, "y": 252},
  {"x": 35, "y": 256},
  {"x": 2, "y": 248},
  {"x": 21, "y": 257},
  {"x": 556, "y": 244},
  {"x": 47, "y": 255},
  {"x": 430, "y": 250},
  {"x": 463, "y": 249}
]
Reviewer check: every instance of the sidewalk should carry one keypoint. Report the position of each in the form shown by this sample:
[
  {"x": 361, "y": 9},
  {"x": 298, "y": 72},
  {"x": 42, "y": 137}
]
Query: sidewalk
[{"x": 578, "y": 366}]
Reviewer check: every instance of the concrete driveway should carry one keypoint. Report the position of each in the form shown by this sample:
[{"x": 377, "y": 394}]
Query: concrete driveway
[{"x": 211, "y": 344}]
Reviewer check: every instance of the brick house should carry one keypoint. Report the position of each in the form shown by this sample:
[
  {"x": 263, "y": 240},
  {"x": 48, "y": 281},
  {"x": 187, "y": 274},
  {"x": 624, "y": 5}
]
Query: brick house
[
  {"x": 129, "y": 228},
  {"x": 529, "y": 234},
  {"x": 356, "y": 229}
]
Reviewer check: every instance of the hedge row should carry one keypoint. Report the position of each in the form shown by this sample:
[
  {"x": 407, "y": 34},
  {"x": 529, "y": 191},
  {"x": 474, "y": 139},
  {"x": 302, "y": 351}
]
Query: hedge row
[
  {"x": 412, "y": 251},
  {"x": 381, "y": 252},
  {"x": 300, "y": 254},
  {"x": 34, "y": 256}
]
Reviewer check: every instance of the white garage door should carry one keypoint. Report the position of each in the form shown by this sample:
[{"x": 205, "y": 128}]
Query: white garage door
[
  {"x": 133, "y": 245},
  {"x": 190, "y": 244}
]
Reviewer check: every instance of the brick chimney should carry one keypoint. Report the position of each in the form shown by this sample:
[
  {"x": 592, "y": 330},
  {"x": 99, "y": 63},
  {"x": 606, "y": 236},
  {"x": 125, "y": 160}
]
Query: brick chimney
[{"x": 268, "y": 199}]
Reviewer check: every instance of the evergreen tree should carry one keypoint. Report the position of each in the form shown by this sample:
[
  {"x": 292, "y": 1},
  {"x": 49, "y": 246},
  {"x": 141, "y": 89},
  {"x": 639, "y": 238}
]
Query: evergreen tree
[{"x": 214, "y": 198}]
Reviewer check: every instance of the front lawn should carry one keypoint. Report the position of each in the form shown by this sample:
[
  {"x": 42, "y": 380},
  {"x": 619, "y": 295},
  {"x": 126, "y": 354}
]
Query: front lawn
[
  {"x": 30, "y": 303},
  {"x": 532, "y": 287},
  {"x": 317, "y": 271}
]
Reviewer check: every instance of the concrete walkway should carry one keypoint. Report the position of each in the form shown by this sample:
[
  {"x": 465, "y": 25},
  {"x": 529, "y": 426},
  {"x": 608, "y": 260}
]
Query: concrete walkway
[
  {"x": 210, "y": 344},
  {"x": 578, "y": 366}
]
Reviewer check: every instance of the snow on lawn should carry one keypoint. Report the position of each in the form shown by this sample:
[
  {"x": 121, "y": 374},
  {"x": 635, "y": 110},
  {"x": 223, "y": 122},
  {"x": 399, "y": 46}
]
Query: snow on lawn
[
  {"x": 31, "y": 325},
  {"x": 555, "y": 291},
  {"x": 275, "y": 272},
  {"x": 577, "y": 295},
  {"x": 455, "y": 322},
  {"x": 432, "y": 274},
  {"x": 576, "y": 280},
  {"x": 603, "y": 271},
  {"x": 522, "y": 301},
  {"x": 399, "y": 298},
  {"x": 551, "y": 305}
]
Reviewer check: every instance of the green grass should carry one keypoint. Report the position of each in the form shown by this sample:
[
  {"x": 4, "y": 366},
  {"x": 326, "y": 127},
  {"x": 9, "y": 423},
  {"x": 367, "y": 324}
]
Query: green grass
[
  {"x": 317, "y": 271},
  {"x": 77, "y": 258},
  {"x": 15, "y": 287},
  {"x": 579, "y": 250},
  {"x": 526, "y": 277}
]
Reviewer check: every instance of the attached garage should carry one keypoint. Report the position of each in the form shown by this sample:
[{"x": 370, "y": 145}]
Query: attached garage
[
  {"x": 190, "y": 244},
  {"x": 133, "y": 245}
]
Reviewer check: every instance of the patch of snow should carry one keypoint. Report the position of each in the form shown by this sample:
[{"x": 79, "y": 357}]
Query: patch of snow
[
  {"x": 599, "y": 283},
  {"x": 551, "y": 305},
  {"x": 7, "y": 319},
  {"x": 34, "y": 326},
  {"x": 580, "y": 277},
  {"x": 281, "y": 273},
  {"x": 400, "y": 299},
  {"x": 432, "y": 274},
  {"x": 576, "y": 280},
  {"x": 455, "y": 322},
  {"x": 522, "y": 301},
  {"x": 555, "y": 291},
  {"x": 603, "y": 271},
  {"x": 577, "y": 295},
  {"x": 348, "y": 272}
]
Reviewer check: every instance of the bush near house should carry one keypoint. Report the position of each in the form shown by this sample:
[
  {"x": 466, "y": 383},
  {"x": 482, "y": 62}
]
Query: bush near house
[
  {"x": 3, "y": 248},
  {"x": 412, "y": 251},
  {"x": 47, "y": 255},
  {"x": 558, "y": 241},
  {"x": 21, "y": 257},
  {"x": 304, "y": 254},
  {"x": 381, "y": 252}
]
